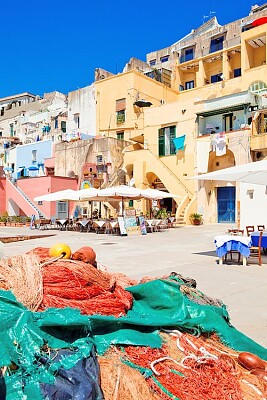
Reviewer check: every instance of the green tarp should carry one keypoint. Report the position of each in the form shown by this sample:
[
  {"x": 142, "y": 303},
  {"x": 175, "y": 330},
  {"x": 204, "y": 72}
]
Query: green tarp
[{"x": 157, "y": 304}]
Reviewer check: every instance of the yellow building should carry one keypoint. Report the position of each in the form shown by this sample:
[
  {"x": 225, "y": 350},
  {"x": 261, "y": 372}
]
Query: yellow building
[{"x": 218, "y": 79}]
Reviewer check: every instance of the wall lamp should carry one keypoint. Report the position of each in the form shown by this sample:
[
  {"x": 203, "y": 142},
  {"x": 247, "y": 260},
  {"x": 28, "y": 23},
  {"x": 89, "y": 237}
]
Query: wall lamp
[{"x": 183, "y": 111}]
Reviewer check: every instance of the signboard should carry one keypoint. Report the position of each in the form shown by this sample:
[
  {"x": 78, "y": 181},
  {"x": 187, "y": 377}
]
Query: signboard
[
  {"x": 122, "y": 227},
  {"x": 130, "y": 212},
  {"x": 131, "y": 226},
  {"x": 142, "y": 225}
]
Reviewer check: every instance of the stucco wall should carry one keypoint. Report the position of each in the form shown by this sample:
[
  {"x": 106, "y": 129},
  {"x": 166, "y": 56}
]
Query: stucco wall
[
  {"x": 2, "y": 195},
  {"x": 70, "y": 157},
  {"x": 82, "y": 102}
]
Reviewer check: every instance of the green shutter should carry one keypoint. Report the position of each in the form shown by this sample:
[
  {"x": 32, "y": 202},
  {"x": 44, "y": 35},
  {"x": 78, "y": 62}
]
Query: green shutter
[
  {"x": 161, "y": 142},
  {"x": 172, "y": 136}
]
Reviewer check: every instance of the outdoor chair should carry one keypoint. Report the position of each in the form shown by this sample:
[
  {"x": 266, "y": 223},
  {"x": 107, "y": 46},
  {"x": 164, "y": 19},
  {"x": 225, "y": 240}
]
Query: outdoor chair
[
  {"x": 255, "y": 251},
  {"x": 250, "y": 229},
  {"x": 234, "y": 232}
]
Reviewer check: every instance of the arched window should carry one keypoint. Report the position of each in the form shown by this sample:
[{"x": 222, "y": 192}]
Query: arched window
[{"x": 258, "y": 87}]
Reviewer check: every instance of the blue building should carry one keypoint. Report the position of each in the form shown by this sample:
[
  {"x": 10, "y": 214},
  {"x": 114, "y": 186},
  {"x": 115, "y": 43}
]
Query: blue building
[{"x": 28, "y": 159}]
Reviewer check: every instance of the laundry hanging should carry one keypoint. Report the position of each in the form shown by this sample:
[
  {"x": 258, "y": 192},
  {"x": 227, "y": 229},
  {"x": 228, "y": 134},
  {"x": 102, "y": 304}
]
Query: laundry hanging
[{"x": 179, "y": 143}]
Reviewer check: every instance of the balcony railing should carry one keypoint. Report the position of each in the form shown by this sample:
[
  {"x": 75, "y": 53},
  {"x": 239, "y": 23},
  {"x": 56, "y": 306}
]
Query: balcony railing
[
  {"x": 187, "y": 57},
  {"x": 120, "y": 119}
]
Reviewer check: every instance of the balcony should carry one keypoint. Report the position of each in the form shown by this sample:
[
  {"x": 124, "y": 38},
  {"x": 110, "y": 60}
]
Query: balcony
[{"x": 258, "y": 142}]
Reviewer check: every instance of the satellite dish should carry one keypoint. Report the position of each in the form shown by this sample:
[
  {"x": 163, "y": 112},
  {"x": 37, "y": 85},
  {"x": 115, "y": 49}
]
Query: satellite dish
[{"x": 132, "y": 182}]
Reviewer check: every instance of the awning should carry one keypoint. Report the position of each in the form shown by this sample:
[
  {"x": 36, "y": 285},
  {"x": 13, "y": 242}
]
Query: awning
[
  {"x": 138, "y": 139},
  {"x": 18, "y": 171},
  {"x": 223, "y": 110},
  {"x": 33, "y": 168},
  {"x": 142, "y": 103}
]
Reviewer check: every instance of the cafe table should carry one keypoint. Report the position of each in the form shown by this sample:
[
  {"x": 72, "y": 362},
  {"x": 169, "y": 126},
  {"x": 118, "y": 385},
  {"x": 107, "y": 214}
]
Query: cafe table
[
  {"x": 255, "y": 239},
  {"x": 225, "y": 243}
]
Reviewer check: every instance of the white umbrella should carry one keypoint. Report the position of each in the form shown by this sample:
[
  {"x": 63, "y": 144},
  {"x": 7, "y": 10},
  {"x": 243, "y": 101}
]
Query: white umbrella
[
  {"x": 88, "y": 194},
  {"x": 121, "y": 191},
  {"x": 62, "y": 195},
  {"x": 155, "y": 194},
  {"x": 255, "y": 172}
]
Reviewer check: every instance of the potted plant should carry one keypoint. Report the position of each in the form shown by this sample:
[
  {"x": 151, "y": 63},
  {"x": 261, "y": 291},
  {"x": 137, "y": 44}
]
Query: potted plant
[{"x": 195, "y": 218}]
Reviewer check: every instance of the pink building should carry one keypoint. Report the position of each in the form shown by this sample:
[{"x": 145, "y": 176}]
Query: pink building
[{"x": 18, "y": 199}]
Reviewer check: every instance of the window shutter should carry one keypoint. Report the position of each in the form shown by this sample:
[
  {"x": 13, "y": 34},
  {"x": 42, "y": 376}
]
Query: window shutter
[
  {"x": 120, "y": 104},
  {"x": 161, "y": 142}
]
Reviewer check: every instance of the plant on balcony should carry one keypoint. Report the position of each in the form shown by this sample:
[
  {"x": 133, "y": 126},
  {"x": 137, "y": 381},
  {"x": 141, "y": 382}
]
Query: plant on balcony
[{"x": 195, "y": 218}]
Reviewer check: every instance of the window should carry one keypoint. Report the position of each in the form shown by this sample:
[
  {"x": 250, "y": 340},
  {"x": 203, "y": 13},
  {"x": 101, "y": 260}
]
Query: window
[
  {"x": 120, "y": 117},
  {"x": 189, "y": 85},
  {"x": 188, "y": 55},
  {"x": 99, "y": 159},
  {"x": 63, "y": 126},
  {"x": 216, "y": 44},
  {"x": 77, "y": 120},
  {"x": 56, "y": 122},
  {"x": 216, "y": 78},
  {"x": 237, "y": 72},
  {"x": 165, "y": 143},
  {"x": 152, "y": 62},
  {"x": 164, "y": 59},
  {"x": 11, "y": 126},
  {"x": 258, "y": 87},
  {"x": 120, "y": 110},
  {"x": 1, "y": 134},
  {"x": 34, "y": 156},
  {"x": 120, "y": 135}
]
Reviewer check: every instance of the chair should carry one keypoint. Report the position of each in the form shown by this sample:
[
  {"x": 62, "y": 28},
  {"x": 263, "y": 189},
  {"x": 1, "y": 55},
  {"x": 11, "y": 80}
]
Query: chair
[
  {"x": 261, "y": 227},
  {"x": 250, "y": 229},
  {"x": 234, "y": 232},
  {"x": 255, "y": 251}
]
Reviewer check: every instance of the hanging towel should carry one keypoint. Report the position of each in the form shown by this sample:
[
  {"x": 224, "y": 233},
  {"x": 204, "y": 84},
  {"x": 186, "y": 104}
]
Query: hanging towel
[
  {"x": 179, "y": 143},
  {"x": 221, "y": 144}
]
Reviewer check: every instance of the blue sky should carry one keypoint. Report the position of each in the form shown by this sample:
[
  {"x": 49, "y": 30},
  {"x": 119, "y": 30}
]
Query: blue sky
[{"x": 56, "y": 45}]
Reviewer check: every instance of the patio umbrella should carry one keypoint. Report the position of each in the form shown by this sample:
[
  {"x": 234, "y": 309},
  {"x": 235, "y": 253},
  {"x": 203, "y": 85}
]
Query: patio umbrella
[
  {"x": 62, "y": 195},
  {"x": 155, "y": 194},
  {"x": 255, "y": 172}
]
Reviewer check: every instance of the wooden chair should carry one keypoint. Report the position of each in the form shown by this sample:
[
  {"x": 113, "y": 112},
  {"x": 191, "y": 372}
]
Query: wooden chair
[
  {"x": 250, "y": 229},
  {"x": 234, "y": 232},
  {"x": 255, "y": 251},
  {"x": 261, "y": 227}
]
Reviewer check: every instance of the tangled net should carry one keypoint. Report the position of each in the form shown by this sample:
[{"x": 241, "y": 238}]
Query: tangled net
[{"x": 23, "y": 275}]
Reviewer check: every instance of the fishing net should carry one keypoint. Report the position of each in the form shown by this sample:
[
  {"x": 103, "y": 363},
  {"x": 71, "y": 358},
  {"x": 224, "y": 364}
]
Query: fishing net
[
  {"x": 23, "y": 275},
  {"x": 121, "y": 382},
  {"x": 80, "y": 285},
  {"x": 184, "y": 369}
]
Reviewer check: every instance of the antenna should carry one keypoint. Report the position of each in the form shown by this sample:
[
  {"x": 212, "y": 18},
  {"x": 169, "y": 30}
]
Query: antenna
[{"x": 211, "y": 13}]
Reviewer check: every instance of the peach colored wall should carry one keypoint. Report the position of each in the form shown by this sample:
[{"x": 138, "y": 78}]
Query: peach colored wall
[{"x": 2, "y": 195}]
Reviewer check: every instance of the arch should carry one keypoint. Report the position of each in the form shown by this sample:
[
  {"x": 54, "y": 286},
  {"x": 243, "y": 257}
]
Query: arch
[
  {"x": 258, "y": 87},
  {"x": 225, "y": 161}
]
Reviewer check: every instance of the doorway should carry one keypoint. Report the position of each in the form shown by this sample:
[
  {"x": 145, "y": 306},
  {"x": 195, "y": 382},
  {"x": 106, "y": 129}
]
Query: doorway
[
  {"x": 62, "y": 209},
  {"x": 226, "y": 204}
]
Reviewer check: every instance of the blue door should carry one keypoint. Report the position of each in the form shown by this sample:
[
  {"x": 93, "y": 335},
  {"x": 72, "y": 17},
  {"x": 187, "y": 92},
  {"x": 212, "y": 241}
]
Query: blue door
[{"x": 226, "y": 204}]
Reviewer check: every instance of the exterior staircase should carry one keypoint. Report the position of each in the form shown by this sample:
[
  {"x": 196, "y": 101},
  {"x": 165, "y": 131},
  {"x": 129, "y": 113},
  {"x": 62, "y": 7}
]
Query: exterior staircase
[
  {"x": 170, "y": 180},
  {"x": 22, "y": 200}
]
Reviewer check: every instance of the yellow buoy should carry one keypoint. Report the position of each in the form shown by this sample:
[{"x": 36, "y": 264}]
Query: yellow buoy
[{"x": 60, "y": 249}]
